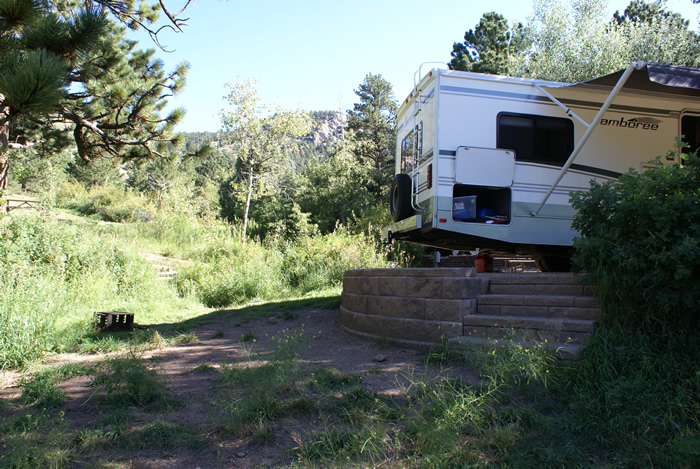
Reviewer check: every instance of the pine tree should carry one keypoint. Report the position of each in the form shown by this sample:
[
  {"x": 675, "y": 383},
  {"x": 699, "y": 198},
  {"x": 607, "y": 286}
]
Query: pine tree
[
  {"x": 68, "y": 70},
  {"x": 489, "y": 46},
  {"x": 372, "y": 127}
]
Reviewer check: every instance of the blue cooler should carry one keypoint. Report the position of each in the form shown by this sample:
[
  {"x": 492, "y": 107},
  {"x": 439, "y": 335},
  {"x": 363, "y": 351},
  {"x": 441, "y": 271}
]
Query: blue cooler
[{"x": 464, "y": 208}]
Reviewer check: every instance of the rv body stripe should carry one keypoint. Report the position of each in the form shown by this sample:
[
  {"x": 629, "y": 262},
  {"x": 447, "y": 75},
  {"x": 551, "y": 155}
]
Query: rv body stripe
[
  {"x": 545, "y": 100},
  {"x": 600, "y": 171},
  {"x": 544, "y": 190},
  {"x": 576, "y": 167},
  {"x": 497, "y": 94}
]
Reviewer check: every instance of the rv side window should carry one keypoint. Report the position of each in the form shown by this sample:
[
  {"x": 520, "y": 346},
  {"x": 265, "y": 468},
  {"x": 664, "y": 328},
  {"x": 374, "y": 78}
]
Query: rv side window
[
  {"x": 690, "y": 130},
  {"x": 411, "y": 147},
  {"x": 538, "y": 139},
  {"x": 407, "y": 145}
]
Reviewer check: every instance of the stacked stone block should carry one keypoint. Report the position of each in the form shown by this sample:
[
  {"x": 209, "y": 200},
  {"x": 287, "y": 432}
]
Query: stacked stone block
[
  {"x": 420, "y": 306},
  {"x": 555, "y": 307},
  {"x": 428, "y": 306}
]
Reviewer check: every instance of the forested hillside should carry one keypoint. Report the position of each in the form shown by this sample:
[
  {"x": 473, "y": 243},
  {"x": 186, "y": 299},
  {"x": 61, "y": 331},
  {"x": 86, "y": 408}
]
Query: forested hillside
[{"x": 254, "y": 223}]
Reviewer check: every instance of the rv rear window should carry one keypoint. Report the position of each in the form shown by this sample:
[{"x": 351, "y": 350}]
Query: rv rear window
[
  {"x": 411, "y": 149},
  {"x": 538, "y": 139}
]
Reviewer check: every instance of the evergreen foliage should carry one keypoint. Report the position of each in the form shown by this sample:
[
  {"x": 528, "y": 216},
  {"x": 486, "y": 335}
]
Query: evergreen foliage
[
  {"x": 645, "y": 12},
  {"x": 489, "y": 46},
  {"x": 100, "y": 172},
  {"x": 67, "y": 69},
  {"x": 372, "y": 127}
]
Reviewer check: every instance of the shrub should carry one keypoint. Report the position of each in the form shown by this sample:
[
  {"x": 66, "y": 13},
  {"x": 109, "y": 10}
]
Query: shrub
[
  {"x": 231, "y": 272},
  {"x": 228, "y": 271},
  {"x": 640, "y": 243},
  {"x": 110, "y": 203},
  {"x": 320, "y": 262},
  {"x": 635, "y": 393}
]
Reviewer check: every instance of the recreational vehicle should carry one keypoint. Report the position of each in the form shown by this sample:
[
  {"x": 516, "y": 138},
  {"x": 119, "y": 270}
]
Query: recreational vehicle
[{"x": 489, "y": 162}]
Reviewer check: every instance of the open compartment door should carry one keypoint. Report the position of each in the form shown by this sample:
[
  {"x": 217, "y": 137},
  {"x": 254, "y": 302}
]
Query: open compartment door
[{"x": 489, "y": 167}]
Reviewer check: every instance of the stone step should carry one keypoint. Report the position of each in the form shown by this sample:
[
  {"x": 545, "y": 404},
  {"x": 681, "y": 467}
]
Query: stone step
[
  {"x": 543, "y": 311},
  {"x": 565, "y": 353},
  {"x": 538, "y": 300},
  {"x": 558, "y": 330},
  {"x": 532, "y": 278},
  {"x": 540, "y": 289}
]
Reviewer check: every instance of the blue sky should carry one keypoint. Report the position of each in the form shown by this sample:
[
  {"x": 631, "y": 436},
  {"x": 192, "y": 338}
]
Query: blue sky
[{"x": 312, "y": 54}]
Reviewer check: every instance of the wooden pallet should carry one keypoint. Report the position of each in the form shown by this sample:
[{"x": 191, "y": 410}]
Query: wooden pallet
[{"x": 114, "y": 320}]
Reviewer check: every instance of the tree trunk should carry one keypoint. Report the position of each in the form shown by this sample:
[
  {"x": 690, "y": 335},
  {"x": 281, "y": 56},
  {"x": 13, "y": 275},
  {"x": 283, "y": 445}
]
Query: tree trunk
[
  {"x": 249, "y": 195},
  {"x": 4, "y": 148}
]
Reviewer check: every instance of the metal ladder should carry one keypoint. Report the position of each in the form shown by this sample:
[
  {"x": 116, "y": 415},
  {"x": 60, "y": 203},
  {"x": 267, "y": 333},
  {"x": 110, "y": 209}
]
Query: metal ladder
[{"x": 418, "y": 147}]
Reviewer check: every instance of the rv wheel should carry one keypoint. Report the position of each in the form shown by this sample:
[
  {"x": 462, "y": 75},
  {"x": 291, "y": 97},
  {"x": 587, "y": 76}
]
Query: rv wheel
[
  {"x": 401, "y": 197},
  {"x": 553, "y": 263}
]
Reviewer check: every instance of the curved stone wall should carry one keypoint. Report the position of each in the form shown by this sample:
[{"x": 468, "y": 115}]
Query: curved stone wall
[{"x": 411, "y": 306}]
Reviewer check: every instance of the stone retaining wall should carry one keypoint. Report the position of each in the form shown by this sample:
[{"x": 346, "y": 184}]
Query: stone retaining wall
[{"x": 410, "y": 306}]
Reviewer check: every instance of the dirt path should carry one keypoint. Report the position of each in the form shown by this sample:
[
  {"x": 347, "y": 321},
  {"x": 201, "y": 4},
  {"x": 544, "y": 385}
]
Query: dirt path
[{"x": 324, "y": 343}]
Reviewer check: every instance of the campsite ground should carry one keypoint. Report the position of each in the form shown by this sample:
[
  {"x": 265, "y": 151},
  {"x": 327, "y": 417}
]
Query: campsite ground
[{"x": 194, "y": 377}]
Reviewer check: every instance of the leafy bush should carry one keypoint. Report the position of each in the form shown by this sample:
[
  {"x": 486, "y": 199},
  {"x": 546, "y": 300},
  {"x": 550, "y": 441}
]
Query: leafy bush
[
  {"x": 228, "y": 271},
  {"x": 635, "y": 394},
  {"x": 640, "y": 243},
  {"x": 110, "y": 203},
  {"x": 320, "y": 262}
]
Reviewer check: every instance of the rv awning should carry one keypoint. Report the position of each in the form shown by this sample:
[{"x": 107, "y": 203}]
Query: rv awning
[
  {"x": 638, "y": 76},
  {"x": 658, "y": 78}
]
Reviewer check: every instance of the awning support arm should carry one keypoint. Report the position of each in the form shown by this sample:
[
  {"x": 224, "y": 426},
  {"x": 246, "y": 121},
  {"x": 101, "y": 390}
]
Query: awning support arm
[
  {"x": 579, "y": 146},
  {"x": 568, "y": 111}
]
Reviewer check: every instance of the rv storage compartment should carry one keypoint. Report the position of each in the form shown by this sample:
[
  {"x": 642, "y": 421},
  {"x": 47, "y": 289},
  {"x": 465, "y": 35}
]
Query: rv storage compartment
[
  {"x": 479, "y": 204},
  {"x": 464, "y": 208}
]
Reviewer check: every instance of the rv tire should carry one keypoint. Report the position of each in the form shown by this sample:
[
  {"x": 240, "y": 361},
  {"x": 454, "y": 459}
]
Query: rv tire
[{"x": 401, "y": 197}]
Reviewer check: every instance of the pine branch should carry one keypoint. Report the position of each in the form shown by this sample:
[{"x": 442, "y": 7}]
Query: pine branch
[{"x": 126, "y": 15}]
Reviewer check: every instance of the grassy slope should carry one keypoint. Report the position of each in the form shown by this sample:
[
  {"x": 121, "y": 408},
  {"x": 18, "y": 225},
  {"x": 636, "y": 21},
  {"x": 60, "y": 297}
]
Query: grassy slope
[{"x": 528, "y": 413}]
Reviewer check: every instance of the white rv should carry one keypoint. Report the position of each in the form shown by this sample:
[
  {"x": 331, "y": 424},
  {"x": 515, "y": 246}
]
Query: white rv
[{"x": 488, "y": 162}]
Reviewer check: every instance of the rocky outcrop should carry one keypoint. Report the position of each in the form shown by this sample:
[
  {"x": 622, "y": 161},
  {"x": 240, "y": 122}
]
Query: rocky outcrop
[{"x": 328, "y": 128}]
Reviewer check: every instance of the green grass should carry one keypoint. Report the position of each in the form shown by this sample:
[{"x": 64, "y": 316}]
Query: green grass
[
  {"x": 138, "y": 339},
  {"x": 632, "y": 401},
  {"x": 39, "y": 388},
  {"x": 61, "y": 274},
  {"x": 162, "y": 435},
  {"x": 36, "y": 439},
  {"x": 127, "y": 381},
  {"x": 526, "y": 411}
]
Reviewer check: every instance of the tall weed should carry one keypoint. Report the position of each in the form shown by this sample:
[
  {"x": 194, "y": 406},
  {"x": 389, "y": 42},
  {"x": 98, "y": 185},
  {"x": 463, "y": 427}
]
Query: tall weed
[
  {"x": 319, "y": 262},
  {"x": 55, "y": 277},
  {"x": 109, "y": 203}
]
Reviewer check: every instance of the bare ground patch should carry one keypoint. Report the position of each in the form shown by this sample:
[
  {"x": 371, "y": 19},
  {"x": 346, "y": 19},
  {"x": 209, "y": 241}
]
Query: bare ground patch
[{"x": 192, "y": 376}]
